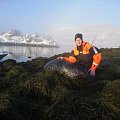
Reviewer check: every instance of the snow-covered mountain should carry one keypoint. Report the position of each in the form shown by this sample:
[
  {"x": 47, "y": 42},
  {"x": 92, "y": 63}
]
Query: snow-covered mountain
[
  {"x": 34, "y": 40},
  {"x": 102, "y": 36}
]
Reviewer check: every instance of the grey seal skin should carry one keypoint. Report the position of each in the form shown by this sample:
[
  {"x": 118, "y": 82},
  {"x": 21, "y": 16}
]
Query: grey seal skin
[{"x": 63, "y": 67}]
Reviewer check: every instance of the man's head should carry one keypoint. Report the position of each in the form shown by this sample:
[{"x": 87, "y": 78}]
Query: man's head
[{"x": 78, "y": 39}]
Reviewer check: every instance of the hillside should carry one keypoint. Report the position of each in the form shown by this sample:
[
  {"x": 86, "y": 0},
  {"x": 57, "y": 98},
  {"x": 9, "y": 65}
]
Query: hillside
[{"x": 27, "y": 92}]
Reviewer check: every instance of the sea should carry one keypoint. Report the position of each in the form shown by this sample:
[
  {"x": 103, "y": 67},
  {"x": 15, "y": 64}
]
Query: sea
[{"x": 27, "y": 53}]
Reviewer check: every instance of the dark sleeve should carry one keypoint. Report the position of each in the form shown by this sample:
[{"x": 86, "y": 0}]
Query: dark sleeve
[
  {"x": 72, "y": 53},
  {"x": 94, "y": 50}
]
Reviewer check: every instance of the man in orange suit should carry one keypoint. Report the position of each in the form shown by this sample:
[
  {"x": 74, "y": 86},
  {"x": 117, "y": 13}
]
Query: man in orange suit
[{"x": 84, "y": 53}]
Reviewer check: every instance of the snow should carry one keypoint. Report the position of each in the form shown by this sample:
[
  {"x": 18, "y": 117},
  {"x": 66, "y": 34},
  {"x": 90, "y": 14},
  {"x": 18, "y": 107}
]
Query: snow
[{"x": 27, "y": 39}]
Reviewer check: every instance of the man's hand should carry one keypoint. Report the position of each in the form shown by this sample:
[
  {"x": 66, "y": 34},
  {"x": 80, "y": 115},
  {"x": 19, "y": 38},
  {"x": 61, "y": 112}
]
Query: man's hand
[
  {"x": 92, "y": 72},
  {"x": 61, "y": 58}
]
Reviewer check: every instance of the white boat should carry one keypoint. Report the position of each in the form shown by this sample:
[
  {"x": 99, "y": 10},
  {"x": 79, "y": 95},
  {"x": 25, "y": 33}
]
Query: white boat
[{"x": 3, "y": 54}]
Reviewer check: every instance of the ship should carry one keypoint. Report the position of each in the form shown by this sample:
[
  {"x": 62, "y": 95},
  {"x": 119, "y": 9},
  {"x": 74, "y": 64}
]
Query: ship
[{"x": 3, "y": 54}]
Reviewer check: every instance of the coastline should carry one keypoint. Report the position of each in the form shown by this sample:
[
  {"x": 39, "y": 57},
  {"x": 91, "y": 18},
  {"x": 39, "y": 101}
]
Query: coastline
[{"x": 27, "y": 44}]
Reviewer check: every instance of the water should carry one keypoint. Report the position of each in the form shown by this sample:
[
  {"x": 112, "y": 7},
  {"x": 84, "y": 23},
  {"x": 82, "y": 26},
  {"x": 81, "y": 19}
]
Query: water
[{"x": 25, "y": 53}]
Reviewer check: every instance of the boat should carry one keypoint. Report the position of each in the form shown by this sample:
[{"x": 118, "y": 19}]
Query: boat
[{"x": 3, "y": 54}]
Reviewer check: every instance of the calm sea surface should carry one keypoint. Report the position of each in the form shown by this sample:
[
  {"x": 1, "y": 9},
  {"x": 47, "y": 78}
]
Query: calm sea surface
[{"x": 25, "y": 53}]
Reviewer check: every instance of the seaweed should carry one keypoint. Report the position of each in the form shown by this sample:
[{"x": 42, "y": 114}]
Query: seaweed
[{"x": 28, "y": 92}]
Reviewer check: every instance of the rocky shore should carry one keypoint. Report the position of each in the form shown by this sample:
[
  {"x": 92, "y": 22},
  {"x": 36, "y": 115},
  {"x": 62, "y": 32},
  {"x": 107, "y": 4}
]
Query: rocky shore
[{"x": 27, "y": 92}]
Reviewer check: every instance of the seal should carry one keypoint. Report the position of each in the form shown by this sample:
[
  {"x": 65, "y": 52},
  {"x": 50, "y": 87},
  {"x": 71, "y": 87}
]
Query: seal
[{"x": 63, "y": 67}]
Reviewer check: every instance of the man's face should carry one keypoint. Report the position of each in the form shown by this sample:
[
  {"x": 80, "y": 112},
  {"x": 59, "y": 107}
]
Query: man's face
[{"x": 78, "y": 41}]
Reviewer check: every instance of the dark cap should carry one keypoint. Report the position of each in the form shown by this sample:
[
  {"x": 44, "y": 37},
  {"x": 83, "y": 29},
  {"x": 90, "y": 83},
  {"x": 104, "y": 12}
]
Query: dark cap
[{"x": 78, "y": 35}]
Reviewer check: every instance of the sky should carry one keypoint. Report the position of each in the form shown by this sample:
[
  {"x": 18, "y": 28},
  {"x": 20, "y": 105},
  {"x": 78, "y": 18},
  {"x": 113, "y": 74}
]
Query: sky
[{"x": 41, "y": 16}]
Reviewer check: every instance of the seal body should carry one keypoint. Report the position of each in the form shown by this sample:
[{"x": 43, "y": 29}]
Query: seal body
[{"x": 63, "y": 67}]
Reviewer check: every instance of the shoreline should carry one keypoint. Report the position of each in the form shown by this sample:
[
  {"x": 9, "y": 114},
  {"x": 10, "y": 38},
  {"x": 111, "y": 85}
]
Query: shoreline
[{"x": 27, "y": 44}]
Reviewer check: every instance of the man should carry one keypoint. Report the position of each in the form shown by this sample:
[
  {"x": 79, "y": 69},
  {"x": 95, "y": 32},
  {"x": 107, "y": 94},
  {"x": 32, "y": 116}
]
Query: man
[{"x": 84, "y": 53}]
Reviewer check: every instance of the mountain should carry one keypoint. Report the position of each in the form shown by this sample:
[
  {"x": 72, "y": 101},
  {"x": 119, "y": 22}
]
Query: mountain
[{"x": 34, "y": 40}]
